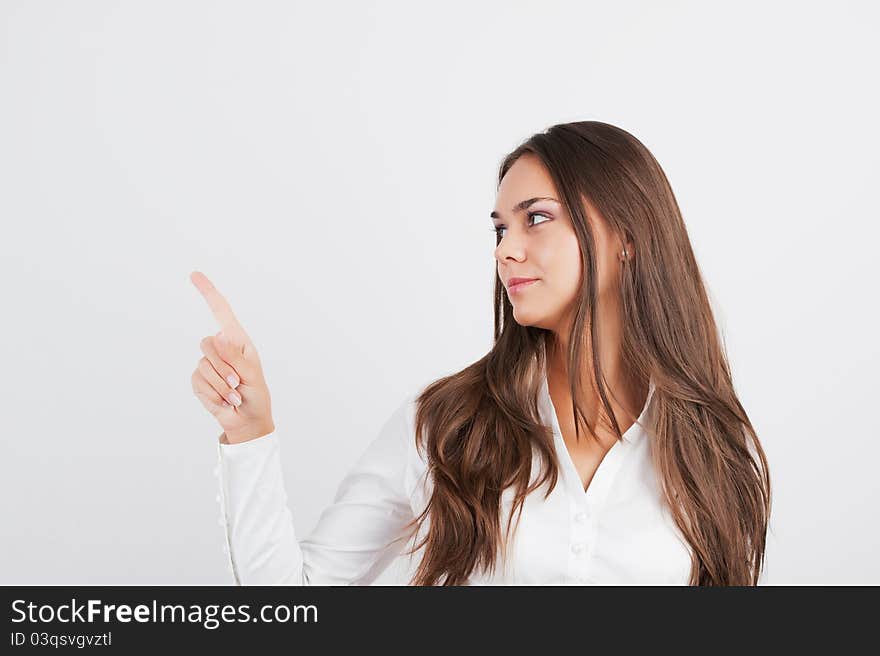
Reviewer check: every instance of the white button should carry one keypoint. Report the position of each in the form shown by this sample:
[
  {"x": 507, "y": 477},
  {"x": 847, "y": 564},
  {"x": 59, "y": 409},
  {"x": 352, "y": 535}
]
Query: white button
[
  {"x": 217, "y": 498},
  {"x": 577, "y": 547},
  {"x": 582, "y": 516}
]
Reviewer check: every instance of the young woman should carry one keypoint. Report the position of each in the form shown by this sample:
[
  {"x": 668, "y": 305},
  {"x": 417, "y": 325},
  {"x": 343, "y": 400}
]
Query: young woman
[{"x": 602, "y": 324}]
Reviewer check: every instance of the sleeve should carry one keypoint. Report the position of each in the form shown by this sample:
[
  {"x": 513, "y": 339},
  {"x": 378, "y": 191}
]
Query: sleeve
[{"x": 357, "y": 535}]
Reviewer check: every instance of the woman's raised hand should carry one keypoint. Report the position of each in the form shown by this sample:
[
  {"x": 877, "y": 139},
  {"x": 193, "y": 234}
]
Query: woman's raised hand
[{"x": 229, "y": 380}]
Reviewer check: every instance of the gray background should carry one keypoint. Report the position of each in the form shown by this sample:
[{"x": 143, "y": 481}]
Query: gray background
[{"x": 331, "y": 167}]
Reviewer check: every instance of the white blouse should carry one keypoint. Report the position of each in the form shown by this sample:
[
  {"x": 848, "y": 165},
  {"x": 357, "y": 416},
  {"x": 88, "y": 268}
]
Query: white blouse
[{"x": 616, "y": 532}]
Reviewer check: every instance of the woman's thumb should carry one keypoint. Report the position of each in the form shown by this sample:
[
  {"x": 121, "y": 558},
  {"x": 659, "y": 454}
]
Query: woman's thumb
[{"x": 233, "y": 353}]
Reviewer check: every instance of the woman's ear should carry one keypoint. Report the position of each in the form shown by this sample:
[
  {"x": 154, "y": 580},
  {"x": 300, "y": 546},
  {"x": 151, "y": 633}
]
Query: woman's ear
[{"x": 627, "y": 251}]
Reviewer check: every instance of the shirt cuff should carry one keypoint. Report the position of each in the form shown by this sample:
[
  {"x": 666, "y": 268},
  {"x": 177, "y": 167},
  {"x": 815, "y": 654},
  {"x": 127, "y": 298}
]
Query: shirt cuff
[
  {"x": 231, "y": 454},
  {"x": 260, "y": 540}
]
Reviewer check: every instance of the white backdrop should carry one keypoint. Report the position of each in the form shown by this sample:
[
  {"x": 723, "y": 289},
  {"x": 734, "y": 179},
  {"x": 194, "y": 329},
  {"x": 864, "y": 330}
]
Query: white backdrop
[{"x": 331, "y": 167}]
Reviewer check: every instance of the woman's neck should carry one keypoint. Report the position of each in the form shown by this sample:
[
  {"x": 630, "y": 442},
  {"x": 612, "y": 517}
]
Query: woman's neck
[{"x": 626, "y": 395}]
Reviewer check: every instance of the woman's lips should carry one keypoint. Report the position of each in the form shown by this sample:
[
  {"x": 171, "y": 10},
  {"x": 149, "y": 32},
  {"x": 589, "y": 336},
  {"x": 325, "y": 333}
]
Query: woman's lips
[{"x": 520, "y": 286}]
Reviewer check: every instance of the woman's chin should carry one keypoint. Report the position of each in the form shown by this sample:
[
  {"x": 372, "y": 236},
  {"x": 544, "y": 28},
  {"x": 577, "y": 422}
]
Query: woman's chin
[{"x": 524, "y": 317}]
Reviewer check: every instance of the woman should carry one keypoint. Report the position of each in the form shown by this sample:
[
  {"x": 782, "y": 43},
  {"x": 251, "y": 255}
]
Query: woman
[{"x": 602, "y": 323}]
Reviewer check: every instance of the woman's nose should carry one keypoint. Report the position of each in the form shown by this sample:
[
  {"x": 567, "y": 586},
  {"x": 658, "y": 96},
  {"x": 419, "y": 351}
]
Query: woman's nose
[{"x": 512, "y": 245}]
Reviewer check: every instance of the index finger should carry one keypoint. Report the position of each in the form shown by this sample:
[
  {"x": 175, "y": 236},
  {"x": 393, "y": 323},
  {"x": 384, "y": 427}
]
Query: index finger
[{"x": 220, "y": 307}]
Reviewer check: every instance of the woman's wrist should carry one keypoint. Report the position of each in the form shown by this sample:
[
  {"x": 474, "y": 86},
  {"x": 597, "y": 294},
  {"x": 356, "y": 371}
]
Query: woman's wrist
[{"x": 246, "y": 436}]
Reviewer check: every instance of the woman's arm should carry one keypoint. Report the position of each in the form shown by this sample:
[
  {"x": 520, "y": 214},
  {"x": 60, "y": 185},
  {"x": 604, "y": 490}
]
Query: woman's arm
[{"x": 357, "y": 536}]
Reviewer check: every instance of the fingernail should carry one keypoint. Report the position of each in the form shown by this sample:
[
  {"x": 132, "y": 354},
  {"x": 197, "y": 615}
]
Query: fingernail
[
  {"x": 232, "y": 379},
  {"x": 235, "y": 398}
]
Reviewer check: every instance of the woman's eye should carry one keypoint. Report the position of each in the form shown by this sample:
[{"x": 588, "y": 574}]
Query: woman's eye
[{"x": 532, "y": 215}]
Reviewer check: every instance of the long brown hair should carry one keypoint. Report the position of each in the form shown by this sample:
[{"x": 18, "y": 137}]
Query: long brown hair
[{"x": 480, "y": 427}]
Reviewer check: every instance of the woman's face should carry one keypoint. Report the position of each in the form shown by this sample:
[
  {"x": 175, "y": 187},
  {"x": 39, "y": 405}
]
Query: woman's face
[{"x": 538, "y": 241}]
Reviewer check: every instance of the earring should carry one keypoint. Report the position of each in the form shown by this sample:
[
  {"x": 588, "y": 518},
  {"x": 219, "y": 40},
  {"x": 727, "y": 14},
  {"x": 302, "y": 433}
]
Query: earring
[{"x": 623, "y": 254}]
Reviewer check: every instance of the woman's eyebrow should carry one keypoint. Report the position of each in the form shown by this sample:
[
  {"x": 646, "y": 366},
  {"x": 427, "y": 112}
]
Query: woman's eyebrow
[{"x": 519, "y": 207}]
